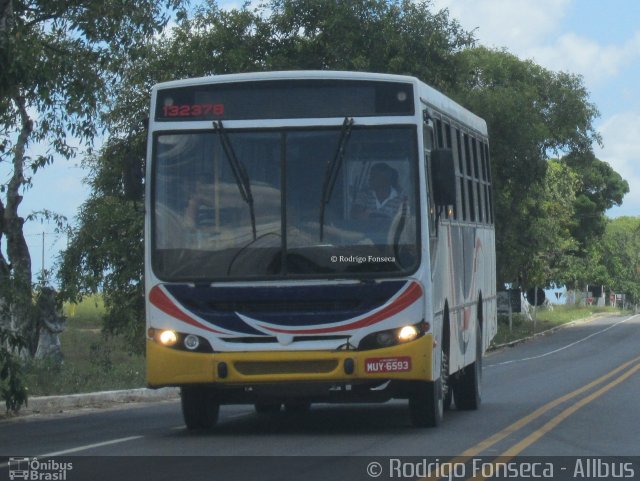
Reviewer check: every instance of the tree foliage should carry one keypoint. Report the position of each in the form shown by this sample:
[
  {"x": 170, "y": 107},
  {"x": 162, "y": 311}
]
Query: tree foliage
[
  {"x": 531, "y": 112},
  {"x": 552, "y": 218},
  {"x": 620, "y": 254},
  {"x": 601, "y": 188},
  {"x": 105, "y": 253},
  {"x": 57, "y": 60}
]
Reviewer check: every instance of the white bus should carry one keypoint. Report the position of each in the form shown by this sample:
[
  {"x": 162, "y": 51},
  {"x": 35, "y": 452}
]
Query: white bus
[{"x": 317, "y": 237}]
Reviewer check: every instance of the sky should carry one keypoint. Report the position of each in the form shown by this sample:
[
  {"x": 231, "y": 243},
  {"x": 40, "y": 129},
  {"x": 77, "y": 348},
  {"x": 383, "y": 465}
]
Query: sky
[{"x": 596, "y": 39}]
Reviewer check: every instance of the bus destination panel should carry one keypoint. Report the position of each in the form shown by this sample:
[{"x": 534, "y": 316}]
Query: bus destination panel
[{"x": 285, "y": 99}]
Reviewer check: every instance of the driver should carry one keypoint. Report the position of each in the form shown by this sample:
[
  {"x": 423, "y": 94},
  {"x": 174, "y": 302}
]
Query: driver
[{"x": 383, "y": 199}]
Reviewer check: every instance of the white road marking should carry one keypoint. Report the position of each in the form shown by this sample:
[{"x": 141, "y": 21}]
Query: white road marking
[
  {"x": 562, "y": 348},
  {"x": 89, "y": 446},
  {"x": 80, "y": 448}
]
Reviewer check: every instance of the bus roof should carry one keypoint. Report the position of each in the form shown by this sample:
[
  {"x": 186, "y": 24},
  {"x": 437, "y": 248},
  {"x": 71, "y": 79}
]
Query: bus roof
[{"x": 427, "y": 94}]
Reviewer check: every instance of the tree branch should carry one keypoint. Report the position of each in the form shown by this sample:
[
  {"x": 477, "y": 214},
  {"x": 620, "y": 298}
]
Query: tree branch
[{"x": 17, "y": 249}]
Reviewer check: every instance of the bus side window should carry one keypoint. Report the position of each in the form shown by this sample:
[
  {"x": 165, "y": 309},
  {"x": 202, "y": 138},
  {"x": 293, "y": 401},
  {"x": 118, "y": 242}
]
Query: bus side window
[
  {"x": 428, "y": 139},
  {"x": 447, "y": 135},
  {"x": 469, "y": 175},
  {"x": 448, "y": 145},
  {"x": 438, "y": 128},
  {"x": 460, "y": 163},
  {"x": 480, "y": 210},
  {"x": 487, "y": 168}
]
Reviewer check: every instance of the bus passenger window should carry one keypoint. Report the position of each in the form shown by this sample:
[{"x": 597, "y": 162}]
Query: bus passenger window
[
  {"x": 472, "y": 201},
  {"x": 447, "y": 135},
  {"x": 476, "y": 159},
  {"x": 467, "y": 155},
  {"x": 463, "y": 199},
  {"x": 439, "y": 133}
]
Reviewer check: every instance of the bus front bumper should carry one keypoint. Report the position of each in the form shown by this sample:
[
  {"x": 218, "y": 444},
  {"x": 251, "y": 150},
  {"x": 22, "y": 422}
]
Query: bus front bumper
[{"x": 409, "y": 361}]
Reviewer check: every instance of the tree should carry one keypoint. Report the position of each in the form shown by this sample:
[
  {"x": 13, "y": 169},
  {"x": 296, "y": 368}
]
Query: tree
[
  {"x": 551, "y": 220},
  {"x": 620, "y": 253},
  {"x": 531, "y": 113},
  {"x": 105, "y": 254},
  {"x": 56, "y": 60},
  {"x": 601, "y": 188},
  {"x": 376, "y": 35}
]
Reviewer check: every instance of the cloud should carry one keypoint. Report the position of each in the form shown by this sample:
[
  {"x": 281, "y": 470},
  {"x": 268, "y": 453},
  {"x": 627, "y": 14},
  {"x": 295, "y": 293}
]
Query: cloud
[
  {"x": 578, "y": 54},
  {"x": 621, "y": 150},
  {"x": 515, "y": 24},
  {"x": 533, "y": 30}
]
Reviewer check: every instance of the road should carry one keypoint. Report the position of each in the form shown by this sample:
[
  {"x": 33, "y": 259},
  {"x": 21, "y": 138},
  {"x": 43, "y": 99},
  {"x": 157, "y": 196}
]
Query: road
[{"x": 572, "y": 393}]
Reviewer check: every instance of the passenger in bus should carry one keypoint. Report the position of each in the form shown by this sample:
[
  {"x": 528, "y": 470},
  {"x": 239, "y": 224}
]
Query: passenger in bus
[
  {"x": 383, "y": 199},
  {"x": 199, "y": 211}
]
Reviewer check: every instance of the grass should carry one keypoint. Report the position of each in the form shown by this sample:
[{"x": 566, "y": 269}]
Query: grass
[
  {"x": 93, "y": 361},
  {"x": 546, "y": 319}
]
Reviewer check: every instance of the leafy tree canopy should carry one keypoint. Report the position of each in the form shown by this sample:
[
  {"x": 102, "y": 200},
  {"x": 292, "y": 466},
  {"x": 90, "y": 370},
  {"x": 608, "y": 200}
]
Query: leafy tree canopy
[
  {"x": 601, "y": 188},
  {"x": 57, "y": 59},
  {"x": 531, "y": 112}
]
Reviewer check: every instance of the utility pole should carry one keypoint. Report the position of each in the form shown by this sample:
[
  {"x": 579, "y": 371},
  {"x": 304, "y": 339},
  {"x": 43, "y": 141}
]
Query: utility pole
[{"x": 42, "y": 275}]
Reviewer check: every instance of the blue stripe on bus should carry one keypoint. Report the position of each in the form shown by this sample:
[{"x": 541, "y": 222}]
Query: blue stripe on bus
[{"x": 286, "y": 306}]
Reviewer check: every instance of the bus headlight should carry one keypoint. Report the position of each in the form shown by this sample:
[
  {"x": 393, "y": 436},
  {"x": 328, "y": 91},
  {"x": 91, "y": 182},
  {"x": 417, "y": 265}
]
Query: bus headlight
[
  {"x": 393, "y": 337},
  {"x": 191, "y": 342},
  {"x": 385, "y": 338},
  {"x": 179, "y": 340},
  {"x": 408, "y": 333},
  {"x": 168, "y": 338}
]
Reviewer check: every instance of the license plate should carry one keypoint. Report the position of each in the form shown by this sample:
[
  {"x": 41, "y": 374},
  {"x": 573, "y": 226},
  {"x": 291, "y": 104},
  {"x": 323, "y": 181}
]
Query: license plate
[{"x": 387, "y": 364}]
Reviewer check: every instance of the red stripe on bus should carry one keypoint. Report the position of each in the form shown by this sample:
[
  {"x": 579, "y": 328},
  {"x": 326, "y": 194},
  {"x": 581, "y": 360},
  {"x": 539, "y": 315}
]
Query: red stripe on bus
[
  {"x": 408, "y": 297},
  {"x": 158, "y": 298}
]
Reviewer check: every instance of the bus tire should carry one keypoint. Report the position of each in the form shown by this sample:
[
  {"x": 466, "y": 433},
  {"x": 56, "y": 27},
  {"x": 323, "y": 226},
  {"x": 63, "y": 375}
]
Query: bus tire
[
  {"x": 297, "y": 407},
  {"x": 199, "y": 407},
  {"x": 267, "y": 407},
  {"x": 426, "y": 405},
  {"x": 468, "y": 388},
  {"x": 447, "y": 386}
]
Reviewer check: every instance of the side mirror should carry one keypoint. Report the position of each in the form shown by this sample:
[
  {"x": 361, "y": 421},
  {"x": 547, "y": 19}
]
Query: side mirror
[
  {"x": 133, "y": 168},
  {"x": 132, "y": 176},
  {"x": 443, "y": 177}
]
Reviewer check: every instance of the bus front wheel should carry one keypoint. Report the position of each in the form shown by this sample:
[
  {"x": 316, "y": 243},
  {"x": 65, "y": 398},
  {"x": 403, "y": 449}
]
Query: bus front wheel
[
  {"x": 426, "y": 404},
  {"x": 267, "y": 407},
  {"x": 467, "y": 392},
  {"x": 199, "y": 407}
]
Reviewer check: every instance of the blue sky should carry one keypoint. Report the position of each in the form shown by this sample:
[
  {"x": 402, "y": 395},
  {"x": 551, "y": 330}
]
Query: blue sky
[{"x": 596, "y": 39}]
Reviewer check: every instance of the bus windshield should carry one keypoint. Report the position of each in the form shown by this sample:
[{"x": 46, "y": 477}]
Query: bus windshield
[{"x": 268, "y": 213}]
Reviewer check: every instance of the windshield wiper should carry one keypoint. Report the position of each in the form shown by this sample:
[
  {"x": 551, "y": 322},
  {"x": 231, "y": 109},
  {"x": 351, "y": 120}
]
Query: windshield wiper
[
  {"x": 399, "y": 228},
  {"x": 239, "y": 172},
  {"x": 333, "y": 167}
]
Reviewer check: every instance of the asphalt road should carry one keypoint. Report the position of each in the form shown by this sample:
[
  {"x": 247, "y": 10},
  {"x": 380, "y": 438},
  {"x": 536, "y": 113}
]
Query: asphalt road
[{"x": 572, "y": 393}]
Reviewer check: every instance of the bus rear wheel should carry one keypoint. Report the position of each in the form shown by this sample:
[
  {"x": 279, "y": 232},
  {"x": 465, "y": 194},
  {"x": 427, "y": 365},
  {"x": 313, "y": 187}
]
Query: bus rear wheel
[
  {"x": 199, "y": 407},
  {"x": 467, "y": 392}
]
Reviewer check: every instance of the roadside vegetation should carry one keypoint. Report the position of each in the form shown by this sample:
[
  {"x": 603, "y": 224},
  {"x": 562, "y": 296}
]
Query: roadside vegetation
[
  {"x": 545, "y": 319},
  {"x": 93, "y": 360}
]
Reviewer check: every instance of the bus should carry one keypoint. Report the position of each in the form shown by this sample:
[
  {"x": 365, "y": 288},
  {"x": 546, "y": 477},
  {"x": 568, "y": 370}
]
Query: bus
[{"x": 317, "y": 237}]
